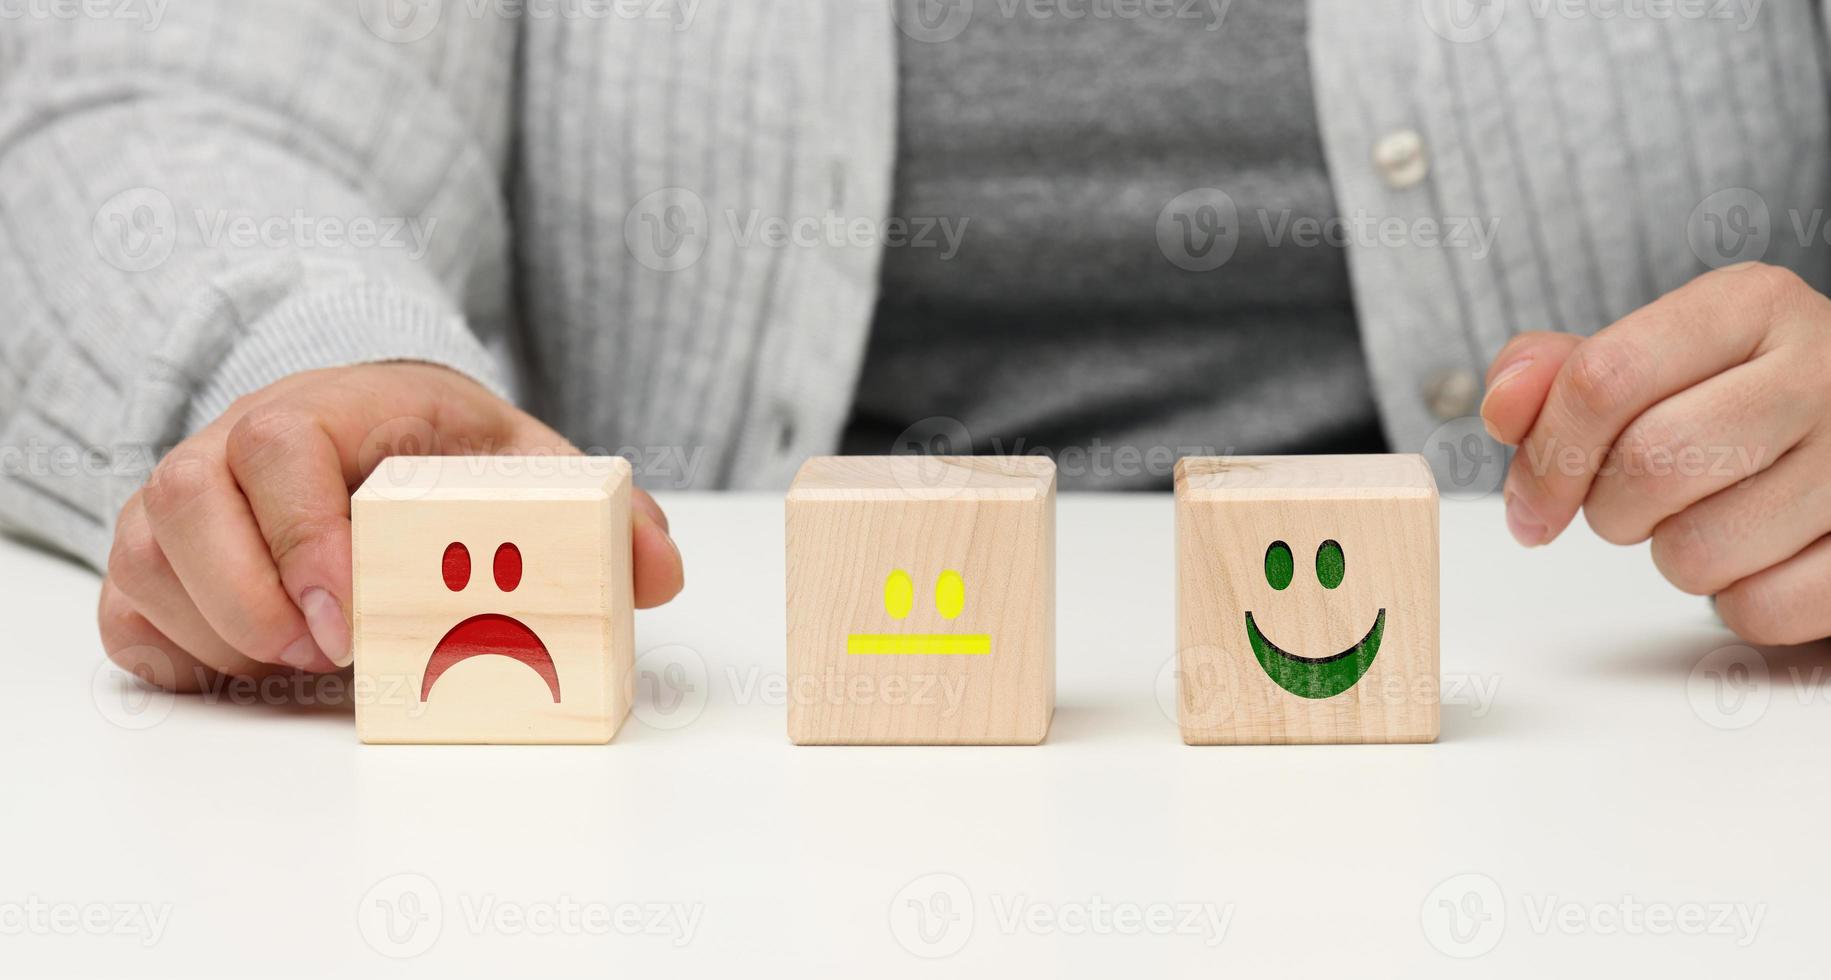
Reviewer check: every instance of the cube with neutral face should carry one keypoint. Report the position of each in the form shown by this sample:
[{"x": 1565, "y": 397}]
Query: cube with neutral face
[
  {"x": 1306, "y": 599},
  {"x": 493, "y": 599},
  {"x": 921, "y": 600}
]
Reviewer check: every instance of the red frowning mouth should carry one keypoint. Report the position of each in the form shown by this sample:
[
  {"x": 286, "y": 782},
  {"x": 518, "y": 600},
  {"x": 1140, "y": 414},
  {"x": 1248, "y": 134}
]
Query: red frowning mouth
[{"x": 491, "y": 634}]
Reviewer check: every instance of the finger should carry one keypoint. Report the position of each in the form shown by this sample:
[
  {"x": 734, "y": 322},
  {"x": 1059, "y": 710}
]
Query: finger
[
  {"x": 1518, "y": 381},
  {"x": 139, "y": 569},
  {"x": 1750, "y": 526},
  {"x": 659, "y": 571},
  {"x": 203, "y": 525},
  {"x": 295, "y": 460},
  {"x": 137, "y": 647},
  {"x": 422, "y": 410},
  {"x": 1710, "y": 324},
  {"x": 1695, "y": 443},
  {"x": 1784, "y": 604},
  {"x": 289, "y": 471}
]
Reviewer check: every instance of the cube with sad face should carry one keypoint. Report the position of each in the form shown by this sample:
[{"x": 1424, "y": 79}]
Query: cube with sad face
[
  {"x": 921, "y": 600},
  {"x": 1307, "y": 599},
  {"x": 493, "y": 599}
]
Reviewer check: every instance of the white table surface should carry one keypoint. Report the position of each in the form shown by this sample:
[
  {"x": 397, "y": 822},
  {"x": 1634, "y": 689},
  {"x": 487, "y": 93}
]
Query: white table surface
[{"x": 1598, "y": 801}]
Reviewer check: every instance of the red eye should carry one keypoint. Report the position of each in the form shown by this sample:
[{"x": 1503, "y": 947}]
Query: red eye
[
  {"x": 456, "y": 566},
  {"x": 508, "y": 567}
]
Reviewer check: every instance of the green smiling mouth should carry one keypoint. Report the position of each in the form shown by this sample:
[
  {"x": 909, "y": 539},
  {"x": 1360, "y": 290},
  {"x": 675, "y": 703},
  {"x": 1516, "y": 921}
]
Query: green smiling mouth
[{"x": 1316, "y": 677}]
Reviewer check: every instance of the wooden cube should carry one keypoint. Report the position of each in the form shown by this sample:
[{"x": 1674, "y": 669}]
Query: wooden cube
[
  {"x": 1306, "y": 599},
  {"x": 493, "y": 599},
  {"x": 921, "y": 600}
]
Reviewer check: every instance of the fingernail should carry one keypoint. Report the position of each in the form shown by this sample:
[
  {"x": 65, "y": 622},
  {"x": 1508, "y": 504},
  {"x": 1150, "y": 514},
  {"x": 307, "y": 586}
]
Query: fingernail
[
  {"x": 1524, "y": 525},
  {"x": 1506, "y": 375},
  {"x": 325, "y": 617},
  {"x": 682, "y": 562}
]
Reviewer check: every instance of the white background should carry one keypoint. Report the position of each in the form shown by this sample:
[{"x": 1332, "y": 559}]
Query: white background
[{"x": 1603, "y": 797}]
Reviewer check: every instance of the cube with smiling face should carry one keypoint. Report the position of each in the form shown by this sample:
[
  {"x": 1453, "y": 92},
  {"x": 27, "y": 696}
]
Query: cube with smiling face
[
  {"x": 493, "y": 599},
  {"x": 1307, "y": 599},
  {"x": 921, "y": 600}
]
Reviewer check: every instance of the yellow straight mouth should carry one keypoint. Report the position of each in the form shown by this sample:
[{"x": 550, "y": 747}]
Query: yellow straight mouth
[{"x": 931, "y": 644}]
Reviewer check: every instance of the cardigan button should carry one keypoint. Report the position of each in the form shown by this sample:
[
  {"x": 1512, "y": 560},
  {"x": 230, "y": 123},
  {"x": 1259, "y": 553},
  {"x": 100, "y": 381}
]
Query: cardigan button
[
  {"x": 1452, "y": 394},
  {"x": 1401, "y": 159}
]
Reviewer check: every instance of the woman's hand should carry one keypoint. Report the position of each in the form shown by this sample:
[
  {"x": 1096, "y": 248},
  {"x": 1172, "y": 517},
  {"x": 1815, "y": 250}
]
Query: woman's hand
[
  {"x": 1699, "y": 421},
  {"x": 234, "y": 559}
]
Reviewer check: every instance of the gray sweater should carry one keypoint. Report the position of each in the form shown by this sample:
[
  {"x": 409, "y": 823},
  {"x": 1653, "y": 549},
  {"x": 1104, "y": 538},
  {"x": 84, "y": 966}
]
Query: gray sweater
[
  {"x": 1051, "y": 318},
  {"x": 669, "y": 214}
]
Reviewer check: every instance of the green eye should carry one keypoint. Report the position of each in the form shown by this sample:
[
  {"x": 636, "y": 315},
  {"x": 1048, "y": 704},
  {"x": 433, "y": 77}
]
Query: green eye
[
  {"x": 1279, "y": 566},
  {"x": 1331, "y": 564}
]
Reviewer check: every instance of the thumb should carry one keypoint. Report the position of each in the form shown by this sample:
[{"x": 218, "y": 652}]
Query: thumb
[{"x": 1518, "y": 381}]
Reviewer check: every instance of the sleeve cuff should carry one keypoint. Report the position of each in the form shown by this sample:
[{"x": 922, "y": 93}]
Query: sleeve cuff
[{"x": 337, "y": 326}]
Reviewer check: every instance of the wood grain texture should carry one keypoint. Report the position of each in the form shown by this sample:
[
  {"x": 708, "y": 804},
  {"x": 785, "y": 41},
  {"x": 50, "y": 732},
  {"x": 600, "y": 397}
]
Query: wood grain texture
[
  {"x": 1382, "y": 512},
  {"x": 567, "y": 580},
  {"x": 970, "y": 536}
]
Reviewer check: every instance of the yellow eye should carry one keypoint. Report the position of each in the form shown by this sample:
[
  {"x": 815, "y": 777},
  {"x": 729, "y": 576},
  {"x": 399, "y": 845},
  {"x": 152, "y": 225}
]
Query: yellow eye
[
  {"x": 950, "y": 594},
  {"x": 899, "y": 594}
]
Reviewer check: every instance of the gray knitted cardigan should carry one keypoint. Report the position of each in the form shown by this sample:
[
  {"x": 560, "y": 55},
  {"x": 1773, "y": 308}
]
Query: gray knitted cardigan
[{"x": 197, "y": 198}]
